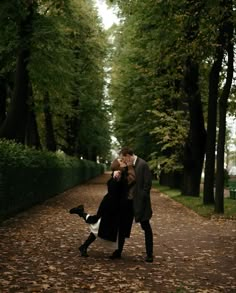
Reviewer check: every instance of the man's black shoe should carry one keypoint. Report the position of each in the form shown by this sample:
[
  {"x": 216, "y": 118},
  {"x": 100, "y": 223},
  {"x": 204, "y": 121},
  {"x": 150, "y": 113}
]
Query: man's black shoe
[
  {"x": 149, "y": 259},
  {"x": 115, "y": 255},
  {"x": 78, "y": 210}
]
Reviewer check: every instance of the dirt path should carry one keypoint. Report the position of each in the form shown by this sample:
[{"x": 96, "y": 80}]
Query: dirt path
[{"x": 39, "y": 250}]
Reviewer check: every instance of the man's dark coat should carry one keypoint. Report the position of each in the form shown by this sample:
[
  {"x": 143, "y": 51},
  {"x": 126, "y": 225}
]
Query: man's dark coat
[{"x": 142, "y": 202}]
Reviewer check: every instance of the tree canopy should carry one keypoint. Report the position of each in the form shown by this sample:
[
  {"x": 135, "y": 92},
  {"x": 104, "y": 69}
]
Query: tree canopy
[
  {"x": 66, "y": 48},
  {"x": 171, "y": 63}
]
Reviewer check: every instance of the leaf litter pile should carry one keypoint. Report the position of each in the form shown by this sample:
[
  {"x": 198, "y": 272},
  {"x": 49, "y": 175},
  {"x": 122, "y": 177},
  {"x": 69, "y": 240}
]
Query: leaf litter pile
[{"x": 39, "y": 250}]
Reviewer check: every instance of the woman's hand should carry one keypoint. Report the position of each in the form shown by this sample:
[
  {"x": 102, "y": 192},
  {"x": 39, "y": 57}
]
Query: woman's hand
[{"x": 117, "y": 175}]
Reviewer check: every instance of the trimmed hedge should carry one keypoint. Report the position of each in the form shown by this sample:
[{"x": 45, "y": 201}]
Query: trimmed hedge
[{"x": 29, "y": 176}]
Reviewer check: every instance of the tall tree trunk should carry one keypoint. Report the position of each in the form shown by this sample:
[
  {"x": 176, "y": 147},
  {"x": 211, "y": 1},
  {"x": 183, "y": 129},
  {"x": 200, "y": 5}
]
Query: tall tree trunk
[
  {"x": 194, "y": 150},
  {"x": 219, "y": 197},
  {"x": 214, "y": 78},
  {"x": 32, "y": 136},
  {"x": 195, "y": 146},
  {"x": 50, "y": 137},
  {"x": 3, "y": 99},
  {"x": 72, "y": 129},
  {"x": 14, "y": 126},
  {"x": 93, "y": 156},
  {"x": 172, "y": 179}
]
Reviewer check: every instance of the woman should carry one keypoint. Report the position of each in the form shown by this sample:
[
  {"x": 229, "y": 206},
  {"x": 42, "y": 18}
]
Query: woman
[{"x": 114, "y": 216}]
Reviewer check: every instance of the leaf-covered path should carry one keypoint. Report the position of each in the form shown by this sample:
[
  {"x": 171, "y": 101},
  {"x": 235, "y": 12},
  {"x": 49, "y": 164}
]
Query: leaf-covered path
[{"x": 39, "y": 250}]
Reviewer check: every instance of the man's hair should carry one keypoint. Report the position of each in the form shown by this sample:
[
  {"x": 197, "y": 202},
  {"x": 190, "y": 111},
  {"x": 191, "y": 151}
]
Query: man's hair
[{"x": 126, "y": 151}]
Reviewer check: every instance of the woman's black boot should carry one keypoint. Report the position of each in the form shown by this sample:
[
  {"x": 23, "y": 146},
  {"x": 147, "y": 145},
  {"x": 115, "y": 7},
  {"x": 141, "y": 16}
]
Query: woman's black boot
[
  {"x": 83, "y": 248},
  {"x": 79, "y": 211}
]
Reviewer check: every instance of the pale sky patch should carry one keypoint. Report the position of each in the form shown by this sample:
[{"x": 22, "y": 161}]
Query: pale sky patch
[{"x": 107, "y": 14}]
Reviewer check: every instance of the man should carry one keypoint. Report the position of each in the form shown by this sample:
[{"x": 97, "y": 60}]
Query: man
[{"x": 140, "y": 196}]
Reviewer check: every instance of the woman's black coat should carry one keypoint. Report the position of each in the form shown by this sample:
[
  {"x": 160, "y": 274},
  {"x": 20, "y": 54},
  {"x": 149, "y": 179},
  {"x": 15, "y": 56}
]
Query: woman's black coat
[{"x": 115, "y": 211}]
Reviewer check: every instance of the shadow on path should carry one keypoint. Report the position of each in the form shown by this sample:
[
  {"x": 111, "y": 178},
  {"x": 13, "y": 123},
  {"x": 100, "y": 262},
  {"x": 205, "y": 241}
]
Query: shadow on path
[{"x": 39, "y": 250}]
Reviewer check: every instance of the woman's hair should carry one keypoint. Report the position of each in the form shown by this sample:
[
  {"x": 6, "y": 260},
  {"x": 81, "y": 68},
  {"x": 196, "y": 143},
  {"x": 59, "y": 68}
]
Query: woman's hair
[
  {"x": 126, "y": 151},
  {"x": 115, "y": 165}
]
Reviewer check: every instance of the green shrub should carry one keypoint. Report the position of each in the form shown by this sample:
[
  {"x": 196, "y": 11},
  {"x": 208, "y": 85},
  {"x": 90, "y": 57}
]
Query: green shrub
[{"x": 29, "y": 176}]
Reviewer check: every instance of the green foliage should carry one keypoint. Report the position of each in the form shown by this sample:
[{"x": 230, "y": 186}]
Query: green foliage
[
  {"x": 8, "y": 32},
  {"x": 143, "y": 83},
  {"x": 226, "y": 177},
  {"x": 128, "y": 91},
  {"x": 29, "y": 176},
  {"x": 232, "y": 102},
  {"x": 150, "y": 50},
  {"x": 88, "y": 43},
  {"x": 50, "y": 49},
  {"x": 19, "y": 156},
  {"x": 171, "y": 138},
  {"x": 196, "y": 203},
  {"x": 67, "y": 55}
]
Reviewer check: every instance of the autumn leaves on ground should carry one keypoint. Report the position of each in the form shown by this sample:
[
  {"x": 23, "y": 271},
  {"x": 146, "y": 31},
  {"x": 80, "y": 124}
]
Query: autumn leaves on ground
[{"x": 39, "y": 250}]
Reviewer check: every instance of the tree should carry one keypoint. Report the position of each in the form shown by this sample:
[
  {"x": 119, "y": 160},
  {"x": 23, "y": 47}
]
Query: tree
[
  {"x": 14, "y": 125},
  {"x": 194, "y": 149},
  {"x": 228, "y": 29},
  {"x": 66, "y": 49},
  {"x": 164, "y": 53},
  {"x": 214, "y": 84}
]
